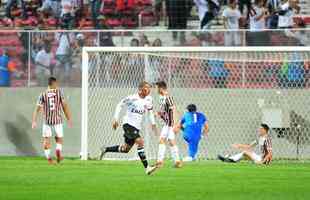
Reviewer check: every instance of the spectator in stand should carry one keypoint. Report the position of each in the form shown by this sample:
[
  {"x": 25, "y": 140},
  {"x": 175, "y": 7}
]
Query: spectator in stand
[
  {"x": 68, "y": 12},
  {"x": 257, "y": 36},
  {"x": 105, "y": 39},
  {"x": 76, "y": 73},
  {"x": 287, "y": 12},
  {"x": 50, "y": 7},
  {"x": 64, "y": 55},
  {"x": 157, "y": 43},
  {"x": 95, "y": 12},
  {"x": 207, "y": 11},
  {"x": 273, "y": 8},
  {"x": 144, "y": 41},
  {"x": 134, "y": 42},
  {"x": 245, "y": 4},
  {"x": 4, "y": 70},
  {"x": 44, "y": 64},
  {"x": 158, "y": 10},
  {"x": 11, "y": 3},
  {"x": 231, "y": 16},
  {"x": 177, "y": 12}
]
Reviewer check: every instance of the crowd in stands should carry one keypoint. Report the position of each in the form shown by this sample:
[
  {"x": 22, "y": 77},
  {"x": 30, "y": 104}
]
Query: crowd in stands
[{"x": 103, "y": 14}]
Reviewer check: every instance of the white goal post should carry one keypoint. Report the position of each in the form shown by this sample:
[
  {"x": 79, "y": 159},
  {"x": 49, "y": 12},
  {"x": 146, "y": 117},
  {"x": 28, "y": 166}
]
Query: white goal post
[{"x": 237, "y": 87}]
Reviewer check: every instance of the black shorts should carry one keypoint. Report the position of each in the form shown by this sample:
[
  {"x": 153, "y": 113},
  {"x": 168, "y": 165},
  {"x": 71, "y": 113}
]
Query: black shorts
[{"x": 130, "y": 134}]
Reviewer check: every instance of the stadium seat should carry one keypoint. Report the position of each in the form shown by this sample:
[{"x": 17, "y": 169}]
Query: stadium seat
[{"x": 113, "y": 23}]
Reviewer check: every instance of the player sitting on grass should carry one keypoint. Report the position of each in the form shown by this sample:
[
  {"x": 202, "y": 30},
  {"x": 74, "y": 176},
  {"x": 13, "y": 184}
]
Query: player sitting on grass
[
  {"x": 52, "y": 102},
  {"x": 265, "y": 146},
  {"x": 192, "y": 124},
  {"x": 136, "y": 105},
  {"x": 168, "y": 114}
]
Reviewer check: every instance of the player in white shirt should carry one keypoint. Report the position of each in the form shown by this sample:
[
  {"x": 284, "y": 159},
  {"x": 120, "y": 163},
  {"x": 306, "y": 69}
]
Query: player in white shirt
[
  {"x": 137, "y": 105},
  {"x": 231, "y": 16}
]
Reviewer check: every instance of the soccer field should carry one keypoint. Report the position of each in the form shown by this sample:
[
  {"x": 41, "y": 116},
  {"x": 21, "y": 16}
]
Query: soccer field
[{"x": 32, "y": 178}]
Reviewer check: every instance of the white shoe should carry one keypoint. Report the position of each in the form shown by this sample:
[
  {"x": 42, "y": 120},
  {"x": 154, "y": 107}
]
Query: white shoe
[
  {"x": 188, "y": 159},
  {"x": 150, "y": 169}
]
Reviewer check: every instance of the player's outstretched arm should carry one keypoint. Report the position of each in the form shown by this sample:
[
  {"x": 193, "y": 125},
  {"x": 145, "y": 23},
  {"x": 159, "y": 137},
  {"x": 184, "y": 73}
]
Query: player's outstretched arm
[
  {"x": 152, "y": 120},
  {"x": 67, "y": 113},
  {"x": 35, "y": 116}
]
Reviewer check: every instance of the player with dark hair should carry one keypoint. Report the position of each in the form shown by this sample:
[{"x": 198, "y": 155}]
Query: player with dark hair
[
  {"x": 137, "y": 105},
  {"x": 265, "y": 147},
  {"x": 168, "y": 114},
  {"x": 193, "y": 124},
  {"x": 52, "y": 102}
]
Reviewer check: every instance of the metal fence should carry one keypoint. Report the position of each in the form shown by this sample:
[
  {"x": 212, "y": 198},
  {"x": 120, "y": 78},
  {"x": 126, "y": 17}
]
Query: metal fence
[{"x": 22, "y": 62}]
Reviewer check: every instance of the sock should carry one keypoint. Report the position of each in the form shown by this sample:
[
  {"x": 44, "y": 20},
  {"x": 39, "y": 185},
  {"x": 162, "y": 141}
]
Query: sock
[
  {"x": 142, "y": 156},
  {"x": 161, "y": 152},
  {"x": 47, "y": 153},
  {"x": 58, "y": 147},
  {"x": 175, "y": 153},
  {"x": 237, "y": 157},
  {"x": 115, "y": 148}
]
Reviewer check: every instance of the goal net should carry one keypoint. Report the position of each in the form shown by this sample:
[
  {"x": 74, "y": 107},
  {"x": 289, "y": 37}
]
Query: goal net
[{"x": 237, "y": 89}]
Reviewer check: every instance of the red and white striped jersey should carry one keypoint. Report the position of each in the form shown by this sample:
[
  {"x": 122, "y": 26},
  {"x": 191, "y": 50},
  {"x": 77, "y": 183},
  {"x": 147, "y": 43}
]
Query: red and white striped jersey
[
  {"x": 166, "y": 109},
  {"x": 52, "y": 103},
  {"x": 265, "y": 144}
]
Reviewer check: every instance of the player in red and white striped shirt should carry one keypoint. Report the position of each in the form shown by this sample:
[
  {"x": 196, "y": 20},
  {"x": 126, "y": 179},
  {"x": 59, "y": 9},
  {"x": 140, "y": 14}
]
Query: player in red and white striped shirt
[
  {"x": 168, "y": 114},
  {"x": 52, "y": 103},
  {"x": 265, "y": 149}
]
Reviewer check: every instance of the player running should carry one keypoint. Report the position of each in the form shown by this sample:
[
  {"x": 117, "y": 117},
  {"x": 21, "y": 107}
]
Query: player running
[
  {"x": 52, "y": 102},
  {"x": 193, "y": 124},
  {"x": 265, "y": 146},
  {"x": 137, "y": 105},
  {"x": 168, "y": 114}
]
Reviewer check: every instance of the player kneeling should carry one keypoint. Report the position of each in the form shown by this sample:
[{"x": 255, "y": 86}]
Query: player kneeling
[
  {"x": 265, "y": 146},
  {"x": 52, "y": 102}
]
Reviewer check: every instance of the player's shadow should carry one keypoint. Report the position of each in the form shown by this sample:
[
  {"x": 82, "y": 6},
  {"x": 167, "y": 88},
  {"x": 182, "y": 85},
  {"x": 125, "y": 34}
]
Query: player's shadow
[{"x": 16, "y": 133}]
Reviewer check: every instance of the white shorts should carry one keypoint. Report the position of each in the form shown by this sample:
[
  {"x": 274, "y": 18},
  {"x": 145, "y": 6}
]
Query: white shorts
[
  {"x": 47, "y": 130},
  {"x": 167, "y": 133},
  {"x": 256, "y": 157}
]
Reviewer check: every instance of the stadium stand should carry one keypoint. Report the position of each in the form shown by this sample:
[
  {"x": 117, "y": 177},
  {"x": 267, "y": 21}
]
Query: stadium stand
[{"x": 113, "y": 14}]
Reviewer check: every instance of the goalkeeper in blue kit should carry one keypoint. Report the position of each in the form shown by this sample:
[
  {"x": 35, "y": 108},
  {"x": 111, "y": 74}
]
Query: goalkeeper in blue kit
[{"x": 193, "y": 124}]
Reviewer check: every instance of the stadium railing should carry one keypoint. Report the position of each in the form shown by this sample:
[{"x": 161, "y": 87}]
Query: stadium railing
[{"x": 21, "y": 47}]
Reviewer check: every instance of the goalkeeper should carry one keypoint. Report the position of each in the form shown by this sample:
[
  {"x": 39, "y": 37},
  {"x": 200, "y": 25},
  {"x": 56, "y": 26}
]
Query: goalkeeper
[{"x": 193, "y": 124}]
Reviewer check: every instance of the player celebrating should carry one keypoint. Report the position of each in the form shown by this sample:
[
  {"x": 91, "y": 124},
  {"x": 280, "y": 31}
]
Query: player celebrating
[
  {"x": 52, "y": 103},
  {"x": 168, "y": 114},
  {"x": 137, "y": 105},
  {"x": 192, "y": 124},
  {"x": 265, "y": 146}
]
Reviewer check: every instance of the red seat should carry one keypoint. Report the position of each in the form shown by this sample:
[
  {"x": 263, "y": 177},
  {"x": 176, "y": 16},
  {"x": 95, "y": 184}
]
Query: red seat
[
  {"x": 108, "y": 11},
  {"x": 113, "y": 22},
  {"x": 130, "y": 23},
  {"x": 108, "y": 2}
]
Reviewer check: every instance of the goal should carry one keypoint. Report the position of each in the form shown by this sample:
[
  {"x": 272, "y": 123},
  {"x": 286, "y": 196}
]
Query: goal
[{"x": 238, "y": 88}]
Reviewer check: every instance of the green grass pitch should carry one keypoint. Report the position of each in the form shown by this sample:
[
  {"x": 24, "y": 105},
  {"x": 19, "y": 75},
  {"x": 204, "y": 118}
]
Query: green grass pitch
[{"x": 32, "y": 179}]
